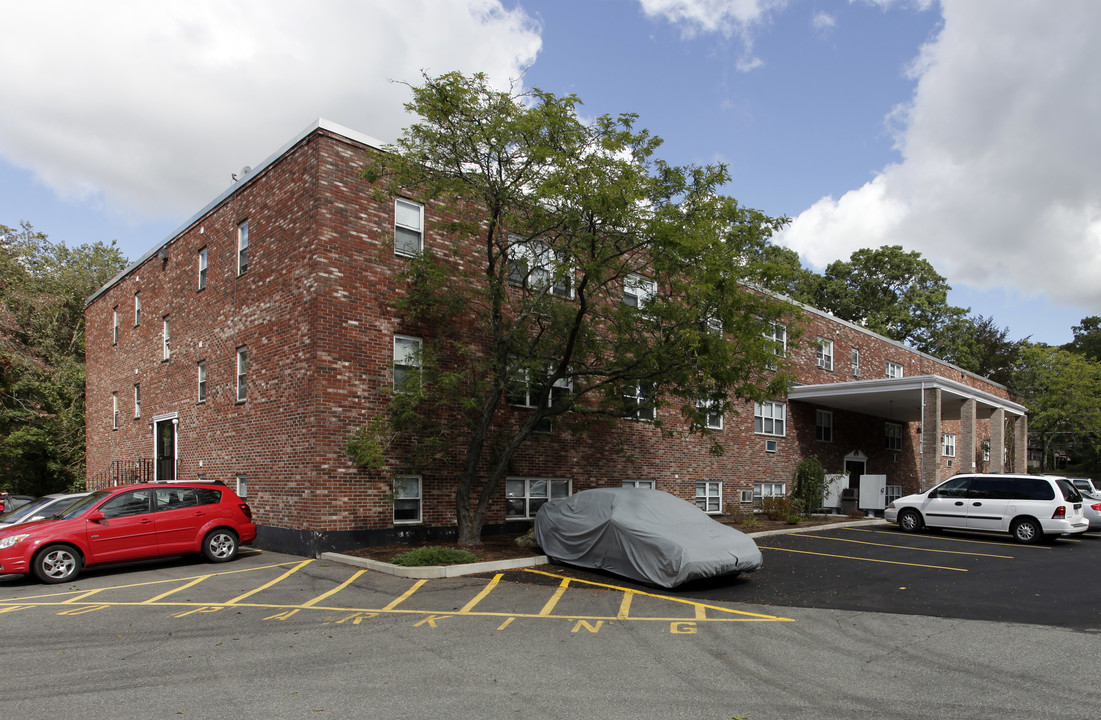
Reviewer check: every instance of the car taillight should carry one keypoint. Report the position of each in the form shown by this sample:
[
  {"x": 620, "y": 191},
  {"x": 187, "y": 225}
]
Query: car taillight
[
  {"x": 1096, "y": 507},
  {"x": 246, "y": 510},
  {"x": 1060, "y": 513}
]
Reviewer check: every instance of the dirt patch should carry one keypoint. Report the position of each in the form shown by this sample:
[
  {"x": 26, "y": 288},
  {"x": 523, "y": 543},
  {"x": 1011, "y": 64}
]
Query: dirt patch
[{"x": 504, "y": 547}]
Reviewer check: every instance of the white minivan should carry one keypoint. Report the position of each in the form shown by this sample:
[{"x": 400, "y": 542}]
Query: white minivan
[{"x": 1026, "y": 506}]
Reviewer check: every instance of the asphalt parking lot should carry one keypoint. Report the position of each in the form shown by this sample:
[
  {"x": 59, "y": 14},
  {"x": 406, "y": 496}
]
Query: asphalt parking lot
[
  {"x": 950, "y": 574},
  {"x": 282, "y": 636}
]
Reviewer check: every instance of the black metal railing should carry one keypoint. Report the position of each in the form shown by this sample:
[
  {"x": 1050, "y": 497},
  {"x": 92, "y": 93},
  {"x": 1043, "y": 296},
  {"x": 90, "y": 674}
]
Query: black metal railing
[{"x": 123, "y": 472}]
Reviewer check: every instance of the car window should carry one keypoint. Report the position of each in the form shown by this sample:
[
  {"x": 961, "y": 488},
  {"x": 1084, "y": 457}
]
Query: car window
[
  {"x": 1070, "y": 493},
  {"x": 25, "y": 510},
  {"x": 83, "y": 504},
  {"x": 208, "y": 496},
  {"x": 175, "y": 498},
  {"x": 1035, "y": 489},
  {"x": 991, "y": 488},
  {"x": 134, "y": 502},
  {"x": 954, "y": 488}
]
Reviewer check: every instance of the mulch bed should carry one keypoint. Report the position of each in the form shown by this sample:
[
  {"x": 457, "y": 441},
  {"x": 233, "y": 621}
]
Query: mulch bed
[{"x": 504, "y": 547}]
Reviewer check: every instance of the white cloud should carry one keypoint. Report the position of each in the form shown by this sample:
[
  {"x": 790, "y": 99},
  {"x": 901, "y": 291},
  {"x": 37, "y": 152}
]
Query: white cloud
[
  {"x": 823, "y": 22},
  {"x": 726, "y": 17},
  {"x": 151, "y": 106},
  {"x": 999, "y": 182}
]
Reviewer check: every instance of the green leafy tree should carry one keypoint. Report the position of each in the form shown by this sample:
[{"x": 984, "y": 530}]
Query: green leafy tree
[
  {"x": 43, "y": 288},
  {"x": 1062, "y": 391},
  {"x": 979, "y": 345},
  {"x": 1087, "y": 338},
  {"x": 606, "y": 284},
  {"x": 891, "y": 292}
]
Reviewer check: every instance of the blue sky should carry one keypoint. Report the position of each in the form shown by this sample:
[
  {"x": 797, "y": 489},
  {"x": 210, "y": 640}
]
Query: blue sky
[{"x": 964, "y": 130}]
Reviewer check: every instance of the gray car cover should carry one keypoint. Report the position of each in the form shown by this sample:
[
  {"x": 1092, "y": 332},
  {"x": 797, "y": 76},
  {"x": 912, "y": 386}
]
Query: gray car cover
[{"x": 645, "y": 535}]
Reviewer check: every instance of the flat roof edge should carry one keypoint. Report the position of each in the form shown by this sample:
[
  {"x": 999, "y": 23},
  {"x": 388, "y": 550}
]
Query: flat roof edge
[{"x": 319, "y": 124}]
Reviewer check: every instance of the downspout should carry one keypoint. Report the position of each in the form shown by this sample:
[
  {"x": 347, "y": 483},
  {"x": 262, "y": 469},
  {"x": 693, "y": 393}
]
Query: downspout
[{"x": 921, "y": 462}]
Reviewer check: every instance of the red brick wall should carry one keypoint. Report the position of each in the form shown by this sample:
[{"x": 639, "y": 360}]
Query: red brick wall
[{"x": 313, "y": 311}]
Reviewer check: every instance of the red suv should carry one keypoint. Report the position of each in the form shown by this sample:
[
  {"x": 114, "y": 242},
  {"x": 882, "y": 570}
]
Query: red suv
[{"x": 133, "y": 522}]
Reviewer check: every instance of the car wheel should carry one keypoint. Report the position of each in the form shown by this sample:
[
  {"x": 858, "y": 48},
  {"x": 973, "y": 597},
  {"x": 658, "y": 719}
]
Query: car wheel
[
  {"x": 57, "y": 563},
  {"x": 1026, "y": 531},
  {"x": 220, "y": 545},
  {"x": 910, "y": 521}
]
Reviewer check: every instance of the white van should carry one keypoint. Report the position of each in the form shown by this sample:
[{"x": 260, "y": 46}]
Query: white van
[{"x": 1026, "y": 506}]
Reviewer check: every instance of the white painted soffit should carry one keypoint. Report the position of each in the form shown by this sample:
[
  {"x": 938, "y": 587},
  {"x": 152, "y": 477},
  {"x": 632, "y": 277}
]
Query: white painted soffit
[{"x": 901, "y": 399}]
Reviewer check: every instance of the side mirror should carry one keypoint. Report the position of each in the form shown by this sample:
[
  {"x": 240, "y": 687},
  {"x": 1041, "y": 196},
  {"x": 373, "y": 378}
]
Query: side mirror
[{"x": 97, "y": 516}]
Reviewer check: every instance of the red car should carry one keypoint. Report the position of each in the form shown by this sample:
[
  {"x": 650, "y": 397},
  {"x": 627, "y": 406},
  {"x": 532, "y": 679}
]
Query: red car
[{"x": 134, "y": 522}]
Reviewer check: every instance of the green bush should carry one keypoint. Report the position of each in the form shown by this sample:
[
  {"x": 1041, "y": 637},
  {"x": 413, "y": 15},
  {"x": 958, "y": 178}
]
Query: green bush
[
  {"x": 778, "y": 508},
  {"x": 810, "y": 485},
  {"x": 434, "y": 556}
]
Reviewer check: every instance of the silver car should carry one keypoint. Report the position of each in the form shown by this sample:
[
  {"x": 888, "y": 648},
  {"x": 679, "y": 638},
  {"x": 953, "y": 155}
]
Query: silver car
[{"x": 39, "y": 508}]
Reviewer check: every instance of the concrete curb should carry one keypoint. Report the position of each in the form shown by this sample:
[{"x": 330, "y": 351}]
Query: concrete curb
[{"x": 432, "y": 572}]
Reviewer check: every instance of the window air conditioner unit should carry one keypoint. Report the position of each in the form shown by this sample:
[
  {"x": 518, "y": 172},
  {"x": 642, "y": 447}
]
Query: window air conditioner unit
[{"x": 770, "y": 446}]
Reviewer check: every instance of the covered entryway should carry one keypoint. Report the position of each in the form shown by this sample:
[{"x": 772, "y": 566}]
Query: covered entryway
[{"x": 930, "y": 400}]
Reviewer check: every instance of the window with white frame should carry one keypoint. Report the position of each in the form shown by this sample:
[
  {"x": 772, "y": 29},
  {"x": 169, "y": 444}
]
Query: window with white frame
[
  {"x": 201, "y": 392},
  {"x": 894, "y": 370},
  {"x": 778, "y": 334},
  {"x": 892, "y": 493},
  {"x": 408, "y": 227},
  {"x": 768, "y": 489},
  {"x": 536, "y": 266},
  {"x": 640, "y": 484},
  {"x": 524, "y": 496},
  {"x": 824, "y": 355},
  {"x": 242, "y": 247},
  {"x": 986, "y": 451},
  {"x": 202, "y": 268},
  {"x": 712, "y": 412},
  {"x": 856, "y": 362},
  {"x": 948, "y": 444},
  {"x": 242, "y": 485},
  {"x": 242, "y": 374},
  {"x": 893, "y": 433},
  {"x": 137, "y": 308},
  {"x": 166, "y": 339},
  {"x": 407, "y": 361},
  {"x": 823, "y": 425},
  {"x": 709, "y": 496},
  {"x": 114, "y": 411},
  {"x": 407, "y": 499},
  {"x": 137, "y": 401},
  {"x": 639, "y": 402},
  {"x": 524, "y": 391},
  {"x": 115, "y": 326},
  {"x": 770, "y": 418},
  {"x": 639, "y": 290}
]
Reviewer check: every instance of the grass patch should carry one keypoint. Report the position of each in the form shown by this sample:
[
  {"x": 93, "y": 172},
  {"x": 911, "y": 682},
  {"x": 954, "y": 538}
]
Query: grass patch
[{"x": 425, "y": 556}]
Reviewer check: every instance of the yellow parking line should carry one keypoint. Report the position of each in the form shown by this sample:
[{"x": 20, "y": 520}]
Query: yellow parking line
[
  {"x": 669, "y": 598},
  {"x": 900, "y": 547},
  {"x": 405, "y": 595},
  {"x": 485, "y": 591},
  {"x": 335, "y": 590},
  {"x": 276, "y": 581},
  {"x": 850, "y": 557},
  {"x": 555, "y": 598},
  {"x": 625, "y": 606},
  {"x": 953, "y": 539},
  {"x": 193, "y": 583}
]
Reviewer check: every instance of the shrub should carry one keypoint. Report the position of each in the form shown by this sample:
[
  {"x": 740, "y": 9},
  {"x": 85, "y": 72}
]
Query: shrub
[
  {"x": 810, "y": 485},
  {"x": 778, "y": 508},
  {"x": 435, "y": 555}
]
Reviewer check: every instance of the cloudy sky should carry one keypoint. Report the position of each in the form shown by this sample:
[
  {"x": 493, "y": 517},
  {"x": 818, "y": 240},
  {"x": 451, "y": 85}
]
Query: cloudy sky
[{"x": 964, "y": 129}]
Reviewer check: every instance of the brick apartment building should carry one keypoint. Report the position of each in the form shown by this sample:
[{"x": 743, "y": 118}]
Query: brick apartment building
[{"x": 249, "y": 345}]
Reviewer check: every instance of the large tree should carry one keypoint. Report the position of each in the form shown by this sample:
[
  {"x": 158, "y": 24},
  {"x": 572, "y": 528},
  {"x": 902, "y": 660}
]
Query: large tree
[
  {"x": 43, "y": 288},
  {"x": 1087, "y": 338},
  {"x": 889, "y": 291},
  {"x": 606, "y": 284},
  {"x": 1062, "y": 391}
]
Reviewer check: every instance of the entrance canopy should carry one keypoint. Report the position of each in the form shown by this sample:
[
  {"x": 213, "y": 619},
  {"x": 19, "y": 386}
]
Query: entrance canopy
[{"x": 901, "y": 399}]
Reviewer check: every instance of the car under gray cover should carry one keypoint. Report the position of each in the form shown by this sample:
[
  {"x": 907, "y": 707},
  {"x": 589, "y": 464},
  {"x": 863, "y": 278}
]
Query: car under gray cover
[{"x": 645, "y": 535}]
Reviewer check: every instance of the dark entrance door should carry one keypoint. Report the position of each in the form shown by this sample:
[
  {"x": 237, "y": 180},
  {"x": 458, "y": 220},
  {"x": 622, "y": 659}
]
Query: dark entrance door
[
  {"x": 166, "y": 450},
  {"x": 855, "y": 468}
]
